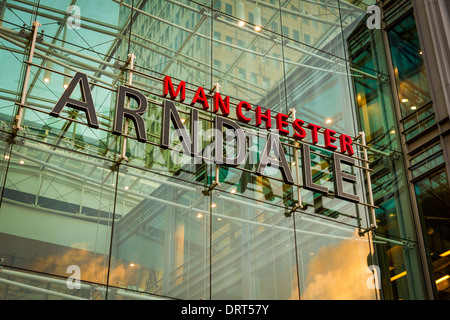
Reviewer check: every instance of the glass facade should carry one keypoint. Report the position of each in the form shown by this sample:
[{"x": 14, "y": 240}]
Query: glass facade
[{"x": 87, "y": 213}]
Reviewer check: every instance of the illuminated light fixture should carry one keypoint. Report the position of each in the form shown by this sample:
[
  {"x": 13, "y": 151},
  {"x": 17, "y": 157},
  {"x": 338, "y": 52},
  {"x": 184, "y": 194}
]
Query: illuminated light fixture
[
  {"x": 6, "y": 157},
  {"x": 420, "y": 52},
  {"x": 445, "y": 254},
  {"x": 131, "y": 264},
  {"x": 183, "y": 120},
  {"x": 48, "y": 73},
  {"x": 127, "y": 182},
  {"x": 213, "y": 205},
  {"x": 199, "y": 215},
  {"x": 240, "y": 13},
  {"x": 219, "y": 219},
  {"x": 398, "y": 276},
  {"x": 233, "y": 191},
  {"x": 293, "y": 163},
  {"x": 66, "y": 78},
  {"x": 21, "y": 162},
  {"x": 442, "y": 279},
  {"x": 405, "y": 100},
  {"x": 393, "y": 131},
  {"x": 328, "y": 121},
  {"x": 257, "y": 17},
  {"x": 413, "y": 108}
]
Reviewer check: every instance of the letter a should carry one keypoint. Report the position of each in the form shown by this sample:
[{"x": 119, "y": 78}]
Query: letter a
[
  {"x": 374, "y": 21},
  {"x": 87, "y": 105}
]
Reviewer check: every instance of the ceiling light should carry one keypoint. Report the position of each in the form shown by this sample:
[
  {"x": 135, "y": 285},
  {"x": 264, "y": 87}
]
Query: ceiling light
[
  {"x": 47, "y": 72},
  {"x": 445, "y": 254},
  {"x": 405, "y": 100},
  {"x": 127, "y": 187},
  {"x": 240, "y": 13},
  {"x": 233, "y": 191},
  {"x": 328, "y": 121},
  {"x": 257, "y": 18},
  {"x": 21, "y": 162},
  {"x": 393, "y": 131},
  {"x": 131, "y": 264},
  {"x": 398, "y": 276},
  {"x": 6, "y": 157},
  {"x": 413, "y": 108},
  {"x": 66, "y": 78},
  {"x": 213, "y": 205},
  {"x": 199, "y": 215},
  {"x": 442, "y": 279}
]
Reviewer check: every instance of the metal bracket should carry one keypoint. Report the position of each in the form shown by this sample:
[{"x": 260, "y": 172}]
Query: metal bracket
[
  {"x": 293, "y": 210},
  {"x": 408, "y": 244},
  {"x": 11, "y": 138},
  {"x": 361, "y": 232},
  {"x": 394, "y": 155},
  {"x": 116, "y": 165},
  {"x": 208, "y": 190},
  {"x": 382, "y": 78},
  {"x": 215, "y": 183}
]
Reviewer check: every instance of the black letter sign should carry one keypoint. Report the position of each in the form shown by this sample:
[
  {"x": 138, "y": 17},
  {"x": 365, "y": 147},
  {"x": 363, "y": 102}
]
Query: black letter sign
[
  {"x": 133, "y": 114},
  {"x": 87, "y": 105}
]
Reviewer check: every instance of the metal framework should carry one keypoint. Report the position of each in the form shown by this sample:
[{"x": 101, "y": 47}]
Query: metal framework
[{"x": 52, "y": 52}]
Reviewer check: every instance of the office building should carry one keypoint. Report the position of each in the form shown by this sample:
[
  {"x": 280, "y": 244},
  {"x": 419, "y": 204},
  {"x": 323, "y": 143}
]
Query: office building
[{"x": 118, "y": 179}]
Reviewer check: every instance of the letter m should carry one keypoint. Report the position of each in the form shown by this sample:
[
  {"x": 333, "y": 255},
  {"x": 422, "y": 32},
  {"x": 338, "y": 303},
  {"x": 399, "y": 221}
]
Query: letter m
[{"x": 168, "y": 89}]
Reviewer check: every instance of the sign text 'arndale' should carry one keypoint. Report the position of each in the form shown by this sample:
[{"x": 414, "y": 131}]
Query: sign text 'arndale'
[{"x": 189, "y": 139}]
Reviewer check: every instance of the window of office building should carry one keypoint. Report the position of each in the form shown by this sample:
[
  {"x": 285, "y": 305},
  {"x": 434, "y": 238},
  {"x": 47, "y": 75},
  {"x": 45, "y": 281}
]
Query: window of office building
[
  {"x": 431, "y": 186},
  {"x": 414, "y": 96}
]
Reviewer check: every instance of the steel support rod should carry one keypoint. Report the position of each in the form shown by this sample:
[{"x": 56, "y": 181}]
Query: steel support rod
[
  {"x": 369, "y": 180},
  {"x": 40, "y": 290},
  {"x": 130, "y": 61},
  {"x": 19, "y": 116},
  {"x": 297, "y": 167}
]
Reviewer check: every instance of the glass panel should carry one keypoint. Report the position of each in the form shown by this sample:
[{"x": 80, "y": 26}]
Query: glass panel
[
  {"x": 247, "y": 64},
  {"x": 19, "y": 285},
  {"x": 409, "y": 68},
  {"x": 434, "y": 206},
  {"x": 160, "y": 244},
  {"x": 57, "y": 211},
  {"x": 141, "y": 224},
  {"x": 253, "y": 250},
  {"x": 330, "y": 253},
  {"x": 395, "y": 235}
]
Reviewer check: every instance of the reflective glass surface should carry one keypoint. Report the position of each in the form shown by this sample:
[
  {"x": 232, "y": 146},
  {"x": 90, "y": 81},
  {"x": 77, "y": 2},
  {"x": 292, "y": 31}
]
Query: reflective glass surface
[{"x": 122, "y": 216}]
